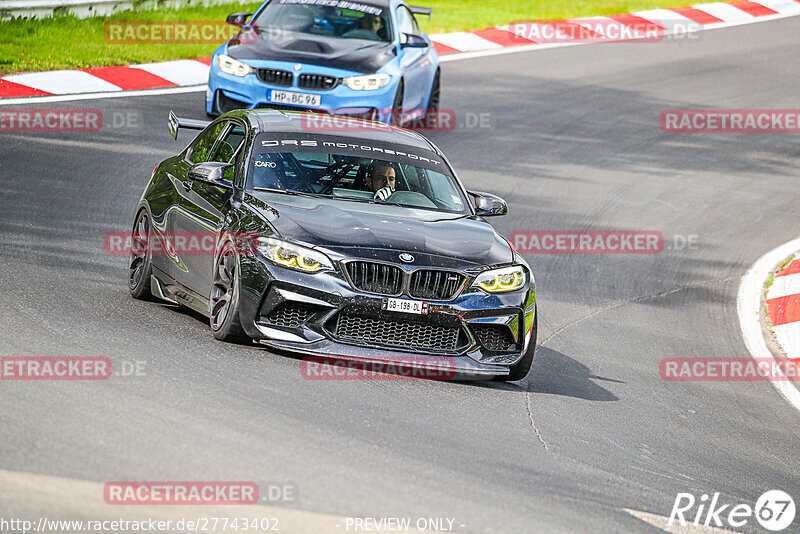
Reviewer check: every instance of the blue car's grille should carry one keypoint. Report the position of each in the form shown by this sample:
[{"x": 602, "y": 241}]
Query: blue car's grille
[
  {"x": 317, "y": 81},
  {"x": 276, "y": 77}
]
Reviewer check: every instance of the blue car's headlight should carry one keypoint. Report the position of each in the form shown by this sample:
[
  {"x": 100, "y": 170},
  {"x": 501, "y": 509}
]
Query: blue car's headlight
[
  {"x": 232, "y": 66},
  {"x": 501, "y": 280},
  {"x": 291, "y": 256},
  {"x": 368, "y": 82}
]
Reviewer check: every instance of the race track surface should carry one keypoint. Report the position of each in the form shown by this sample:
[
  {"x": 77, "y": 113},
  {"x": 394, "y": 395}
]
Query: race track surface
[{"x": 573, "y": 142}]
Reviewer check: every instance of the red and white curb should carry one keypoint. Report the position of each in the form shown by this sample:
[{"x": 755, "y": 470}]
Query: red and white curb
[
  {"x": 459, "y": 45},
  {"x": 180, "y": 73},
  {"x": 782, "y": 305}
]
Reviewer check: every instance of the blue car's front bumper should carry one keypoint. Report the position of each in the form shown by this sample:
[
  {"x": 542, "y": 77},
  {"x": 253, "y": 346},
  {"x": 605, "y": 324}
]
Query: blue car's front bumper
[{"x": 226, "y": 92}]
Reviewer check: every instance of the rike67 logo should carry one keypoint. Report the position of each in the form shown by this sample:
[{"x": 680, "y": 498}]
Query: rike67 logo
[{"x": 774, "y": 511}]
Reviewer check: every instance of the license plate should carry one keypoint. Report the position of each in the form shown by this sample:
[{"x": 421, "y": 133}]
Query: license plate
[
  {"x": 405, "y": 306},
  {"x": 294, "y": 99}
]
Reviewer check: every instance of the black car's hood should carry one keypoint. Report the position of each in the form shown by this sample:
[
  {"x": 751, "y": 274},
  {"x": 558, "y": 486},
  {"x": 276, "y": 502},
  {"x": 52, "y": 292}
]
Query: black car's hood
[
  {"x": 383, "y": 231},
  {"x": 356, "y": 55}
]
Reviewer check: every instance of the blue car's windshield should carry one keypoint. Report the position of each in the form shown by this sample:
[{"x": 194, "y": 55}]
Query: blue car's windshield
[{"x": 332, "y": 18}]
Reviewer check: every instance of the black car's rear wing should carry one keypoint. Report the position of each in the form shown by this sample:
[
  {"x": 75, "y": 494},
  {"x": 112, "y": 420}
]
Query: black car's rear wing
[
  {"x": 174, "y": 123},
  {"x": 421, "y": 10}
]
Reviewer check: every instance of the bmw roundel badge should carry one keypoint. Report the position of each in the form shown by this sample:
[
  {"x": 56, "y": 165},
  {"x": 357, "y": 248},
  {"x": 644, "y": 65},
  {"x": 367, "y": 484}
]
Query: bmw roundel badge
[{"x": 408, "y": 258}]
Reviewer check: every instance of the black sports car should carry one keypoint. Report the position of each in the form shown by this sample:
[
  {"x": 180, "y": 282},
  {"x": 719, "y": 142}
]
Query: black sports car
[{"x": 364, "y": 245}]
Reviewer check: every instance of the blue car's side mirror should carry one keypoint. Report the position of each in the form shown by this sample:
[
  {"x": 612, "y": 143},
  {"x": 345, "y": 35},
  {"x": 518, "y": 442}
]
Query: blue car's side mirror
[
  {"x": 409, "y": 40},
  {"x": 237, "y": 19}
]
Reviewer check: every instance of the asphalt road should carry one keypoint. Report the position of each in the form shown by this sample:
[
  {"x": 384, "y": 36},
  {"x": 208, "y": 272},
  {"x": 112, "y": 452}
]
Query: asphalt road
[{"x": 573, "y": 143}]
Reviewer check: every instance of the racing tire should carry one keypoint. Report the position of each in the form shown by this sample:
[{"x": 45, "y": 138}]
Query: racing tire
[
  {"x": 397, "y": 106},
  {"x": 140, "y": 266},
  {"x": 434, "y": 99},
  {"x": 214, "y": 107},
  {"x": 519, "y": 370},
  {"x": 224, "y": 306}
]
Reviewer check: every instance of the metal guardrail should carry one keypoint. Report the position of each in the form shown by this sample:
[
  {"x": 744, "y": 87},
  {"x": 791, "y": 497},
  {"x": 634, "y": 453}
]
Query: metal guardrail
[{"x": 88, "y": 8}]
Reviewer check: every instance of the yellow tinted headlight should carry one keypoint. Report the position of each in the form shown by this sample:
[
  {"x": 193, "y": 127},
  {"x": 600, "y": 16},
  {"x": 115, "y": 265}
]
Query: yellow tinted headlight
[
  {"x": 501, "y": 280},
  {"x": 291, "y": 256}
]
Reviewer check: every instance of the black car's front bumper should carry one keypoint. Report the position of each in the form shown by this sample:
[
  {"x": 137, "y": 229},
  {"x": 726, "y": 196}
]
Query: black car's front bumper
[{"x": 473, "y": 335}]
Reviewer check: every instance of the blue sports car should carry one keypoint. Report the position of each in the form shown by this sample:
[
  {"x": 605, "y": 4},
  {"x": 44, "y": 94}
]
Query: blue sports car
[{"x": 366, "y": 59}]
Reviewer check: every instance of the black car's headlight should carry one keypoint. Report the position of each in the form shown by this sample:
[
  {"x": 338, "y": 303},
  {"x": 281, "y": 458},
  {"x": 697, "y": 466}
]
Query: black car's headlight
[
  {"x": 501, "y": 280},
  {"x": 232, "y": 66},
  {"x": 291, "y": 256}
]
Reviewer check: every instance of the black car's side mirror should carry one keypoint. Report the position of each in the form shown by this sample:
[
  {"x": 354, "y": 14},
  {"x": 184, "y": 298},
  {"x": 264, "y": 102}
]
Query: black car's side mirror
[
  {"x": 237, "y": 19},
  {"x": 409, "y": 40},
  {"x": 211, "y": 172},
  {"x": 488, "y": 205}
]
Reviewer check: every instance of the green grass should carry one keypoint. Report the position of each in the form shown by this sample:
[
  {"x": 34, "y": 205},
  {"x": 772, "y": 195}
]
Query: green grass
[
  {"x": 458, "y": 15},
  {"x": 65, "y": 42}
]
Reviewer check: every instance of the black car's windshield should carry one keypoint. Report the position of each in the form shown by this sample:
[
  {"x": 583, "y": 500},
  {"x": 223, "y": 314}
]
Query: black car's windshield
[
  {"x": 332, "y": 18},
  {"x": 353, "y": 172}
]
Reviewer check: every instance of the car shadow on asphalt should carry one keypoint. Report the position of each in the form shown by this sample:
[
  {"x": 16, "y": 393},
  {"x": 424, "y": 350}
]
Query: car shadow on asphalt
[
  {"x": 555, "y": 373},
  {"x": 552, "y": 372}
]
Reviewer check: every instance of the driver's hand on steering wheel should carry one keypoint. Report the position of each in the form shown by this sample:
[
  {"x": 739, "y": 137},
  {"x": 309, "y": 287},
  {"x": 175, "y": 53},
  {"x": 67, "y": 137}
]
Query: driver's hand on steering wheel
[{"x": 383, "y": 193}]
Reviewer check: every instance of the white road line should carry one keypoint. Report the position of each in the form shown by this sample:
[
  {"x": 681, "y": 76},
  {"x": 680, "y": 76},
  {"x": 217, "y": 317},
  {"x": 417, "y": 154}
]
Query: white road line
[
  {"x": 789, "y": 338},
  {"x": 781, "y": 6},
  {"x": 660, "y": 521},
  {"x": 464, "y": 41},
  {"x": 725, "y": 12},
  {"x": 662, "y": 16},
  {"x": 62, "y": 81},
  {"x": 181, "y": 72},
  {"x": 784, "y": 285},
  {"x": 748, "y": 304},
  {"x": 100, "y": 96},
  {"x": 444, "y": 59}
]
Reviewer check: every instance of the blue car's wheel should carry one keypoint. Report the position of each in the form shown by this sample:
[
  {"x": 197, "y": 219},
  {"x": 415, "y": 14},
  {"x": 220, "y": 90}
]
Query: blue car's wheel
[
  {"x": 435, "y": 96},
  {"x": 397, "y": 106}
]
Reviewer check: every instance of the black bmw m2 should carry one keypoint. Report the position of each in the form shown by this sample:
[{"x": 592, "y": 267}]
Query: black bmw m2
[{"x": 361, "y": 242}]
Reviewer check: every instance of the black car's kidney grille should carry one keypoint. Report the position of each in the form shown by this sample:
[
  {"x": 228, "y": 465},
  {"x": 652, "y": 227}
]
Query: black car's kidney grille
[
  {"x": 494, "y": 337},
  {"x": 317, "y": 81},
  {"x": 276, "y": 77},
  {"x": 290, "y": 314},
  {"x": 374, "y": 277},
  {"x": 438, "y": 285},
  {"x": 395, "y": 333}
]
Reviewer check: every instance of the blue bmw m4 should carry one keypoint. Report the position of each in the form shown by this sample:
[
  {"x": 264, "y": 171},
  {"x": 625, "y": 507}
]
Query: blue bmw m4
[{"x": 366, "y": 59}]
